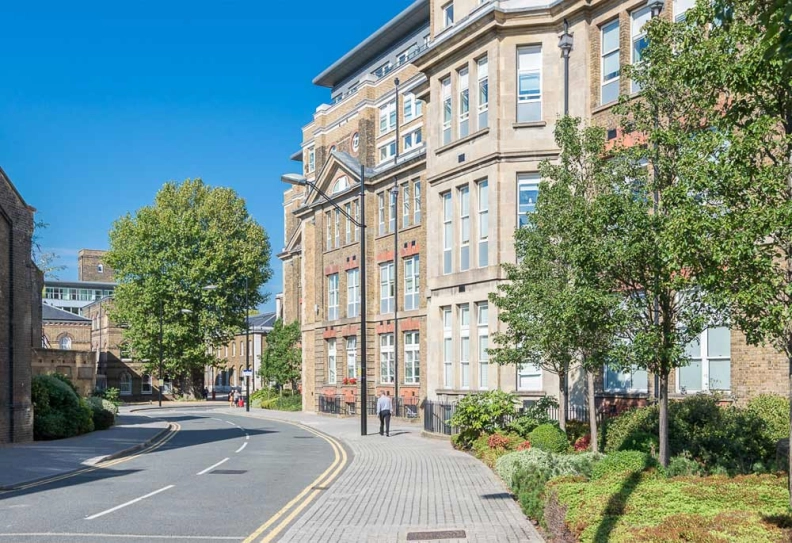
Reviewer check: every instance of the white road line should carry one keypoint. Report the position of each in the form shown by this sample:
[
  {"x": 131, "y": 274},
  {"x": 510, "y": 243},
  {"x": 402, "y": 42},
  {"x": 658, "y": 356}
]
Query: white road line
[
  {"x": 210, "y": 468},
  {"x": 50, "y": 535},
  {"x": 242, "y": 447},
  {"x": 117, "y": 507},
  {"x": 229, "y": 422},
  {"x": 247, "y": 436}
]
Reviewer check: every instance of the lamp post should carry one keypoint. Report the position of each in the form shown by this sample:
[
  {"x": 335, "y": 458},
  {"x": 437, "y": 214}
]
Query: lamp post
[
  {"x": 247, "y": 349},
  {"x": 565, "y": 44},
  {"x": 300, "y": 181},
  {"x": 211, "y": 288},
  {"x": 395, "y": 193}
]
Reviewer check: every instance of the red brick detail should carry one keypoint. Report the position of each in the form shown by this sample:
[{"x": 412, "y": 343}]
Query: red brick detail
[
  {"x": 410, "y": 250},
  {"x": 349, "y": 330},
  {"x": 330, "y": 270},
  {"x": 385, "y": 256},
  {"x": 330, "y": 333},
  {"x": 330, "y": 391},
  {"x": 385, "y": 328},
  {"x": 409, "y": 325},
  {"x": 351, "y": 265},
  {"x": 349, "y": 395}
]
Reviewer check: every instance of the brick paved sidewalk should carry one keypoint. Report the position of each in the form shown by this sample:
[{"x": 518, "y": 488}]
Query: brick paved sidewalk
[{"x": 405, "y": 483}]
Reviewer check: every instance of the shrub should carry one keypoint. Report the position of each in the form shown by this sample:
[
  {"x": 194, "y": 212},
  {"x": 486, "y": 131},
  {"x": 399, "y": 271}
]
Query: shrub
[
  {"x": 774, "y": 412},
  {"x": 641, "y": 441},
  {"x": 555, "y": 465},
  {"x": 549, "y": 437},
  {"x": 524, "y": 446},
  {"x": 58, "y": 411},
  {"x": 629, "y": 425},
  {"x": 530, "y": 486},
  {"x": 576, "y": 429},
  {"x": 623, "y": 461},
  {"x": 582, "y": 443},
  {"x": 683, "y": 466},
  {"x": 480, "y": 413},
  {"x": 102, "y": 412},
  {"x": 522, "y": 425}
]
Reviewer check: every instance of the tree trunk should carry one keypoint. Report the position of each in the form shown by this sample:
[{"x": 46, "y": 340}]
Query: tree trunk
[
  {"x": 592, "y": 405},
  {"x": 789, "y": 466},
  {"x": 663, "y": 433},
  {"x": 562, "y": 404}
]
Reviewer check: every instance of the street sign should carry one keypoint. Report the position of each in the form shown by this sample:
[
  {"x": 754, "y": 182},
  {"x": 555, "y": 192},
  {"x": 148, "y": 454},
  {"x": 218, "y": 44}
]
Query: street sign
[{"x": 247, "y": 373}]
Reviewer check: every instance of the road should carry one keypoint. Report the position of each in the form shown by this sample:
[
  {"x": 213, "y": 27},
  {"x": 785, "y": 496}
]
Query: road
[{"x": 217, "y": 477}]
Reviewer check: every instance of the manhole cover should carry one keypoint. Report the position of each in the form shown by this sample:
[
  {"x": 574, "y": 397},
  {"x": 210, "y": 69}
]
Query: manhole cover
[
  {"x": 228, "y": 472},
  {"x": 430, "y": 536}
]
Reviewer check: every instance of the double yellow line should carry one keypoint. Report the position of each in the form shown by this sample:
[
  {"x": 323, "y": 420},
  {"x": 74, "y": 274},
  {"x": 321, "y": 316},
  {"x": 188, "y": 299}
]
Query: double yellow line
[
  {"x": 289, "y": 511},
  {"x": 172, "y": 429}
]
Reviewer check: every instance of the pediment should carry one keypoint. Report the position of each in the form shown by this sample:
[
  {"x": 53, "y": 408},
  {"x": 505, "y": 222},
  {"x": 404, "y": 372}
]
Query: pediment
[{"x": 340, "y": 175}]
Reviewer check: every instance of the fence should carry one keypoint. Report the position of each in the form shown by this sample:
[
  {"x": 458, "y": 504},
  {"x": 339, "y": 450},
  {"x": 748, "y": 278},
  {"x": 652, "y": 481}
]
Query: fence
[
  {"x": 331, "y": 404},
  {"x": 402, "y": 407}
]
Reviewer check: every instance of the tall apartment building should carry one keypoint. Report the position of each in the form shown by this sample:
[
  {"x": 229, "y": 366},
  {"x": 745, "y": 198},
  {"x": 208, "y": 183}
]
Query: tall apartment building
[{"x": 489, "y": 76}]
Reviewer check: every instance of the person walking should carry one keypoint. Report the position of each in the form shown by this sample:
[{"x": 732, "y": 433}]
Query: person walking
[{"x": 384, "y": 407}]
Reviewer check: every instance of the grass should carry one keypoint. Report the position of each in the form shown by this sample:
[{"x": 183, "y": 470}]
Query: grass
[{"x": 647, "y": 507}]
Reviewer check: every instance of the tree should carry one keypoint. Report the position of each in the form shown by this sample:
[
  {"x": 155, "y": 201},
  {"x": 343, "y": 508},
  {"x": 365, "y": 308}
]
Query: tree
[
  {"x": 281, "y": 360},
  {"x": 44, "y": 260},
  {"x": 193, "y": 236}
]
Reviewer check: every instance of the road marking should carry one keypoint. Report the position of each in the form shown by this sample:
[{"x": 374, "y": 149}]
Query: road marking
[
  {"x": 210, "y": 468},
  {"x": 229, "y": 422},
  {"x": 308, "y": 493},
  {"x": 247, "y": 436},
  {"x": 242, "y": 447},
  {"x": 50, "y": 535},
  {"x": 117, "y": 507}
]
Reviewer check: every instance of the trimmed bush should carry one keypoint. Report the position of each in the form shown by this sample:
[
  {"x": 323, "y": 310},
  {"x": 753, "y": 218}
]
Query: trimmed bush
[
  {"x": 522, "y": 426},
  {"x": 629, "y": 426},
  {"x": 58, "y": 411},
  {"x": 683, "y": 466},
  {"x": 481, "y": 413},
  {"x": 550, "y": 438},
  {"x": 774, "y": 412},
  {"x": 555, "y": 465},
  {"x": 103, "y": 413},
  {"x": 621, "y": 462}
]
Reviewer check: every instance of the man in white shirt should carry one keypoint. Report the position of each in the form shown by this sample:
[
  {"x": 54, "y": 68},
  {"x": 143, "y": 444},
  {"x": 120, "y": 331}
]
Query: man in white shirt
[{"x": 384, "y": 407}]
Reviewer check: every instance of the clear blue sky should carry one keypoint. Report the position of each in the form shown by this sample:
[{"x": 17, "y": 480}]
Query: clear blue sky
[{"x": 102, "y": 102}]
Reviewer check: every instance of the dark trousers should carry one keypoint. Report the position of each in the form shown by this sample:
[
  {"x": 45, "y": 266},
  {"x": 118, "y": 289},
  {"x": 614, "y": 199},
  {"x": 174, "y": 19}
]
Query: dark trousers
[{"x": 385, "y": 416}]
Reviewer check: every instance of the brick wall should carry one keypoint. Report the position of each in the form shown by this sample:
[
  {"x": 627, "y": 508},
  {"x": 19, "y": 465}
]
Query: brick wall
[
  {"x": 91, "y": 266},
  {"x": 80, "y": 334},
  {"x": 79, "y": 366}
]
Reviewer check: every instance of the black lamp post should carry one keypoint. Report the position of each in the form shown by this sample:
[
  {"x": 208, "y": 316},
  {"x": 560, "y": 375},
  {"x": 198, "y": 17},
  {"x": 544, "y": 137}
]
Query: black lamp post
[
  {"x": 565, "y": 44},
  {"x": 299, "y": 180},
  {"x": 247, "y": 348}
]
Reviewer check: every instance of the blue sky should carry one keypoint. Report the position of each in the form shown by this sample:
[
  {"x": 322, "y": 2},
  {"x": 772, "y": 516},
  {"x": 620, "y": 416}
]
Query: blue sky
[{"x": 102, "y": 102}]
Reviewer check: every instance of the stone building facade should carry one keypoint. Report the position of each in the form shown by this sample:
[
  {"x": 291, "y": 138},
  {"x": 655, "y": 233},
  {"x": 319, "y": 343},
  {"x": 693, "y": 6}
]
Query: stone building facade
[{"x": 20, "y": 314}]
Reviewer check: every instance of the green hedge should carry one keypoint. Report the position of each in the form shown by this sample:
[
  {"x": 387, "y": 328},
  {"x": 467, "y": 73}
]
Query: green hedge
[
  {"x": 58, "y": 411},
  {"x": 550, "y": 438},
  {"x": 555, "y": 465},
  {"x": 103, "y": 412}
]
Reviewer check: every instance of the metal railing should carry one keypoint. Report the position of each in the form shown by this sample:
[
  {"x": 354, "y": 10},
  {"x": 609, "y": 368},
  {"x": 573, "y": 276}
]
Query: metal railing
[
  {"x": 331, "y": 404},
  {"x": 402, "y": 407},
  {"x": 437, "y": 416}
]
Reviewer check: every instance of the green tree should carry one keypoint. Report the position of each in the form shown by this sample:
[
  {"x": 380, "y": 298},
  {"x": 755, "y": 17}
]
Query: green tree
[
  {"x": 192, "y": 237},
  {"x": 281, "y": 360}
]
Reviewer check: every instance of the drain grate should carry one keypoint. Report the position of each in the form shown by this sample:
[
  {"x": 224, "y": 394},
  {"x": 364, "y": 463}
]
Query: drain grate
[
  {"x": 431, "y": 536},
  {"x": 228, "y": 472}
]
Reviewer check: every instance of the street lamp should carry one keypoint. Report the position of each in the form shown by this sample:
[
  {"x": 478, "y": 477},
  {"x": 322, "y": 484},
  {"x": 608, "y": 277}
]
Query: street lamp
[
  {"x": 565, "y": 44},
  {"x": 300, "y": 181},
  {"x": 212, "y": 287},
  {"x": 247, "y": 348},
  {"x": 656, "y": 6}
]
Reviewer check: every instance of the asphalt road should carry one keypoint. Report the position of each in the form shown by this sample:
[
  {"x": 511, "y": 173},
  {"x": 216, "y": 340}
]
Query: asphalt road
[{"x": 218, "y": 478}]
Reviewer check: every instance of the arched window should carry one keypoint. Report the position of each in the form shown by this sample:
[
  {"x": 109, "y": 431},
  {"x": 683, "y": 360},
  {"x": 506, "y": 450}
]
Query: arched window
[
  {"x": 65, "y": 343},
  {"x": 231, "y": 376},
  {"x": 341, "y": 184},
  {"x": 125, "y": 383},
  {"x": 356, "y": 141},
  {"x": 100, "y": 268},
  {"x": 145, "y": 386}
]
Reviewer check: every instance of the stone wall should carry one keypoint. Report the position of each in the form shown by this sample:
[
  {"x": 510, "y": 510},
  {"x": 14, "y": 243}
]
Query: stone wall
[{"x": 79, "y": 366}]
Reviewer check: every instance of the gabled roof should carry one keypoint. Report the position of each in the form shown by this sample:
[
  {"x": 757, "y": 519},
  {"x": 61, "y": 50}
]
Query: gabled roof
[
  {"x": 263, "y": 322},
  {"x": 50, "y": 313}
]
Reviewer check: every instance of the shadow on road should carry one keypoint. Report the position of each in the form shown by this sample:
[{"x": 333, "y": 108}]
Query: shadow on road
[{"x": 78, "y": 479}]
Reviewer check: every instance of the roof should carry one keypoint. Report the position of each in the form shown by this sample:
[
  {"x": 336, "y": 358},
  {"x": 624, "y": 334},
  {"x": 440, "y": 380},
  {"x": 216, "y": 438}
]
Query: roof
[
  {"x": 49, "y": 313},
  {"x": 351, "y": 163},
  {"x": 5, "y": 178},
  {"x": 262, "y": 321},
  {"x": 416, "y": 15},
  {"x": 80, "y": 284}
]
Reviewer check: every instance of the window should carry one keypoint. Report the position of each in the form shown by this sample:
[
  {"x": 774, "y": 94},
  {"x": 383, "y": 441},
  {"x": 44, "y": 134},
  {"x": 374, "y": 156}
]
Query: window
[
  {"x": 710, "y": 362},
  {"x": 331, "y": 362},
  {"x": 529, "y": 84},
  {"x": 639, "y": 18},
  {"x": 483, "y": 93},
  {"x": 233, "y": 348},
  {"x": 387, "y": 117},
  {"x": 381, "y": 212},
  {"x": 629, "y": 380},
  {"x": 417, "y": 204},
  {"x": 356, "y": 208},
  {"x": 448, "y": 233},
  {"x": 341, "y": 184},
  {"x": 610, "y": 62},
  {"x": 406, "y": 55},
  {"x": 406, "y": 201},
  {"x": 353, "y": 292},
  {"x": 413, "y": 139},
  {"x": 355, "y": 141},
  {"x": 448, "y": 368},
  {"x": 483, "y": 223},
  {"x": 100, "y": 268},
  {"x": 311, "y": 159},
  {"x": 145, "y": 384},
  {"x": 482, "y": 320},
  {"x": 124, "y": 351},
  {"x": 387, "y": 151},
  {"x": 332, "y": 297},
  {"x": 527, "y": 194},
  {"x": 387, "y": 372},
  {"x": 65, "y": 343},
  {"x": 464, "y": 102},
  {"x": 448, "y": 14},
  {"x": 464, "y": 345},
  {"x": 412, "y": 109},
  {"x": 447, "y": 110},
  {"x": 387, "y": 290},
  {"x": 337, "y": 229},
  {"x": 464, "y": 227},
  {"x": 412, "y": 358},
  {"x": 351, "y": 347},
  {"x": 329, "y": 228},
  {"x": 125, "y": 383},
  {"x": 348, "y": 209},
  {"x": 392, "y": 211},
  {"x": 681, "y": 7},
  {"x": 411, "y": 283},
  {"x": 241, "y": 349},
  {"x": 383, "y": 69},
  {"x": 529, "y": 377}
]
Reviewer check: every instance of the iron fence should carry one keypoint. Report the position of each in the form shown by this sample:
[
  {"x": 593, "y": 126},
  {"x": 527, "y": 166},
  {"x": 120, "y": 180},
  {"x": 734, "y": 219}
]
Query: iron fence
[
  {"x": 402, "y": 407},
  {"x": 330, "y": 404},
  {"x": 437, "y": 416}
]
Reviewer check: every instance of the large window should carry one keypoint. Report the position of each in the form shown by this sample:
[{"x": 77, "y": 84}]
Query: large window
[
  {"x": 448, "y": 232},
  {"x": 483, "y": 93},
  {"x": 125, "y": 383},
  {"x": 463, "y": 77},
  {"x": 527, "y": 195},
  {"x": 628, "y": 380},
  {"x": 447, "y": 109},
  {"x": 348, "y": 209},
  {"x": 387, "y": 370},
  {"x": 406, "y": 203},
  {"x": 529, "y": 377},
  {"x": 329, "y": 229},
  {"x": 448, "y": 357},
  {"x": 529, "y": 84},
  {"x": 464, "y": 345},
  {"x": 65, "y": 343},
  {"x": 337, "y": 228},
  {"x": 411, "y": 283},
  {"x": 638, "y": 18},
  {"x": 412, "y": 358},
  {"x": 387, "y": 288},
  {"x": 351, "y": 348},
  {"x": 611, "y": 69},
  {"x": 311, "y": 159},
  {"x": 483, "y": 223},
  {"x": 332, "y": 377},
  {"x": 381, "y": 212},
  {"x": 482, "y": 320},
  {"x": 710, "y": 362},
  {"x": 392, "y": 195},
  {"x": 387, "y": 117},
  {"x": 353, "y": 292},
  {"x": 417, "y": 204},
  {"x": 448, "y": 14},
  {"x": 332, "y": 297},
  {"x": 412, "y": 139},
  {"x": 412, "y": 109},
  {"x": 387, "y": 151},
  {"x": 464, "y": 228},
  {"x": 145, "y": 384},
  {"x": 681, "y": 7}
]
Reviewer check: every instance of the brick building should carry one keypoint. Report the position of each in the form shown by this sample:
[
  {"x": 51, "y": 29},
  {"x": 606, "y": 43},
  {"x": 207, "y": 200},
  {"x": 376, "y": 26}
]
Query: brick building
[
  {"x": 20, "y": 314},
  {"x": 488, "y": 79}
]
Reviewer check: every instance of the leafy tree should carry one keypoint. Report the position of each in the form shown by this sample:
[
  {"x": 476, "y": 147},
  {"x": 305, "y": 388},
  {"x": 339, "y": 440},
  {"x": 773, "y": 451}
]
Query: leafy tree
[
  {"x": 281, "y": 360},
  {"x": 193, "y": 236}
]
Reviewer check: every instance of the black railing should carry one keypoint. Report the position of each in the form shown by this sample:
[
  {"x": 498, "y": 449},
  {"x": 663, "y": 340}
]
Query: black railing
[
  {"x": 402, "y": 407},
  {"x": 437, "y": 416},
  {"x": 331, "y": 404}
]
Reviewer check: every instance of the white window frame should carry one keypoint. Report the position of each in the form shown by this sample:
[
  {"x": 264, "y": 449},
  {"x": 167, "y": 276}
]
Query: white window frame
[
  {"x": 387, "y": 288},
  {"x": 329, "y": 228},
  {"x": 638, "y": 18},
  {"x": 353, "y": 292},
  {"x": 527, "y": 181},
  {"x": 412, "y": 108},
  {"x": 482, "y": 73},
  {"x": 448, "y": 233},
  {"x": 412, "y": 278},
  {"x": 406, "y": 203},
  {"x": 448, "y": 14},
  {"x": 381, "y": 212},
  {"x": 387, "y": 368},
  {"x": 705, "y": 360},
  {"x": 311, "y": 159},
  {"x": 332, "y": 297},
  {"x": 447, "y": 109},
  {"x": 337, "y": 229},
  {"x": 417, "y": 202},
  {"x": 125, "y": 383},
  {"x": 448, "y": 347},
  {"x": 530, "y": 374},
  {"x": 483, "y": 223},
  {"x": 412, "y": 139},
  {"x": 464, "y": 228},
  {"x": 529, "y": 63},
  {"x": 463, "y": 85},
  {"x": 412, "y": 358},
  {"x": 607, "y": 54},
  {"x": 464, "y": 346},
  {"x": 482, "y": 322},
  {"x": 387, "y": 119},
  {"x": 332, "y": 369},
  {"x": 392, "y": 200},
  {"x": 625, "y": 380},
  {"x": 681, "y": 7},
  {"x": 387, "y": 151},
  {"x": 146, "y": 384},
  {"x": 348, "y": 209},
  {"x": 356, "y": 141},
  {"x": 351, "y": 352}
]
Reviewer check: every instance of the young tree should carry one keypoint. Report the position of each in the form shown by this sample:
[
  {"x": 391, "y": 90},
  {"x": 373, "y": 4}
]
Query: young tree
[
  {"x": 193, "y": 236},
  {"x": 44, "y": 260},
  {"x": 281, "y": 360}
]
